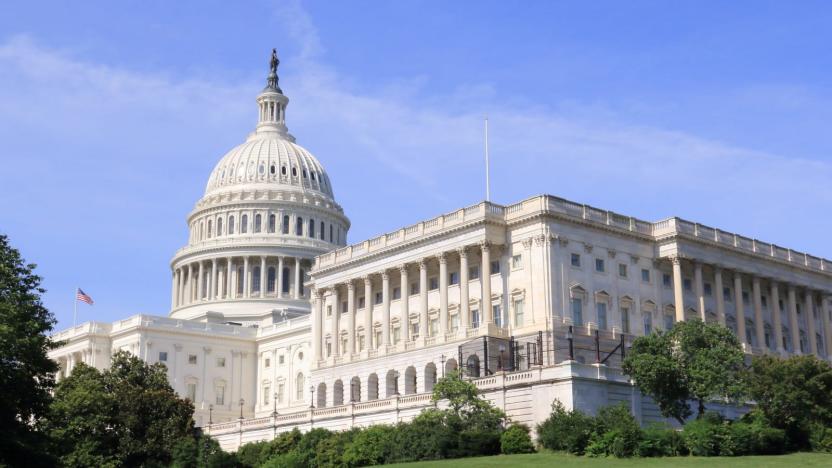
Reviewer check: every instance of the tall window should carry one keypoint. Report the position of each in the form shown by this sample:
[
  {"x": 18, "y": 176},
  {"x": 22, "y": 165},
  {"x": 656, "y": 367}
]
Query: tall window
[
  {"x": 299, "y": 384},
  {"x": 648, "y": 323},
  {"x": 231, "y": 224},
  {"x": 312, "y": 228},
  {"x": 266, "y": 390},
  {"x": 625, "y": 319},
  {"x": 243, "y": 224},
  {"x": 258, "y": 223},
  {"x": 577, "y": 311},
  {"x": 601, "y": 309},
  {"x": 210, "y": 230},
  {"x": 219, "y": 394},
  {"x": 299, "y": 226},
  {"x": 219, "y": 226},
  {"x": 498, "y": 315},
  {"x": 668, "y": 321},
  {"x": 330, "y": 233},
  {"x": 518, "y": 312},
  {"x": 303, "y": 278},
  {"x": 285, "y": 227},
  {"x": 475, "y": 318},
  {"x": 255, "y": 287},
  {"x": 271, "y": 280},
  {"x": 240, "y": 278},
  {"x": 190, "y": 391},
  {"x": 272, "y": 223},
  {"x": 285, "y": 286}
]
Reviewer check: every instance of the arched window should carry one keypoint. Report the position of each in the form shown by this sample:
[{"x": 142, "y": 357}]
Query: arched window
[
  {"x": 283, "y": 170},
  {"x": 410, "y": 380},
  {"x": 330, "y": 233},
  {"x": 321, "y": 395},
  {"x": 313, "y": 175},
  {"x": 244, "y": 224},
  {"x": 430, "y": 377},
  {"x": 787, "y": 339},
  {"x": 299, "y": 384},
  {"x": 255, "y": 287},
  {"x": 355, "y": 390},
  {"x": 272, "y": 223},
  {"x": 304, "y": 173},
  {"x": 294, "y": 172},
  {"x": 312, "y": 228},
  {"x": 338, "y": 393},
  {"x": 299, "y": 226},
  {"x": 648, "y": 323},
  {"x": 271, "y": 169},
  {"x": 285, "y": 228},
  {"x": 258, "y": 222},
  {"x": 372, "y": 387},
  {"x": 392, "y": 381},
  {"x": 219, "y": 226},
  {"x": 285, "y": 286},
  {"x": 210, "y": 231},
  {"x": 322, "y": 230},
  {"x": 231, "y": 224},
  {"x": 450, "y": 366},
  {"x": 472, "y": 366},
  {"x": 201, "y": 230},
  {"x": 271, "y": 280}
]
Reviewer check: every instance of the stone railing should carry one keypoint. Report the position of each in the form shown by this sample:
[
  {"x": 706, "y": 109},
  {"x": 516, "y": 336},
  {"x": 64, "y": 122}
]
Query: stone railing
[
  {"x": 81, "y": 330},
  {"x": 681, "y": 227}
]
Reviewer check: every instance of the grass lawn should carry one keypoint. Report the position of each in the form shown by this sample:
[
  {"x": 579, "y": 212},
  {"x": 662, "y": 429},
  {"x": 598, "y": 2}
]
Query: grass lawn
[{"x": 568, "y": 461}]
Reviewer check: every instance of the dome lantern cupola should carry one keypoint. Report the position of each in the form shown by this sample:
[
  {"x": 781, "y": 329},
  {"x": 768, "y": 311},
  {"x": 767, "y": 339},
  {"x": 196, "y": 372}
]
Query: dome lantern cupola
[{"x": 272, "y": 104}]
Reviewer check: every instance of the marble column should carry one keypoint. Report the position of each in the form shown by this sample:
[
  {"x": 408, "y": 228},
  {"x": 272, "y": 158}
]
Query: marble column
[
  {"x": 190, "y": 283},
  {"x": 230, "y": 289},
  {"x": 263, "y": 276},
  {"x": 279, "y": 285},
  {"x": 214, "y": 273},
  {"x": 335, "y": 323},
  {"x": 774, "y": 301},
  {"x": 317, "y": 322},
  {"x": 423, "y": 299},
  {"x": 759, "y": 326},
  {"x": 740, "y": 309},
  {"x": 350, "y": 318},
  {"x": 485, "y": 283},
  {"x": 719, "y": 295},
  {"x": 827, "y": 326},
  {"x": 173, "y": 289},
  {"x": 404, "y": 303},
  {"x": 700, "y": 291},
  {"x": 246, "y": 277},
  {"x": 443, "y": 294},
  {"x": 385, "y": 308},
  {"x": 464, "y": 306},
  {"x": 794, "y": 325},
  {"x": 177, "y": 298},
  {"x": 297, "y": 278},
  {"x": 200, "y": 288},
  {"x": 678, "y": 292},
  {"x": 368, "y": 312},
  {"x": 810, "y": 322}
]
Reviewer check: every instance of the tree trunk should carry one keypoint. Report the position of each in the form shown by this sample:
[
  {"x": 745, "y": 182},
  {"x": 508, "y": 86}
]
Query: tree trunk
[{"x": 701, "y": 409}]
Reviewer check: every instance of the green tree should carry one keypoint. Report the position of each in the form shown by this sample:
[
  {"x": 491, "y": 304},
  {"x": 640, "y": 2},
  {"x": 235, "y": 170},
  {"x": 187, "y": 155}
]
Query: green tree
[
  {"x": 26, "y": 373},
  {"x": 465, "y": 405},
  {"x": 127, "y": 415},
  {"x": 693, "y": 361},
  {"x": 792, "y": 394}
]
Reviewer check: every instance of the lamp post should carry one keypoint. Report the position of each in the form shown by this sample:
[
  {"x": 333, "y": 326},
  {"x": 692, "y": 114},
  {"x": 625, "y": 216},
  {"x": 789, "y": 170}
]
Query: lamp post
[
  {"x": 396, "y": 383},
  {"x": 274, "y": 410},
  {"x": 242, "y": 402},
  {"x": 210, "y": 415},
  {"x": 312, "y": 400},
  {"x": 442, "y": 360}
]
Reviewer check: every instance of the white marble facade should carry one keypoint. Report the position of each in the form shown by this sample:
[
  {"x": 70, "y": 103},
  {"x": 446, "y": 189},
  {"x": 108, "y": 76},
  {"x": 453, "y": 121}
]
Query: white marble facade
[{"x": 276, "y": 323}]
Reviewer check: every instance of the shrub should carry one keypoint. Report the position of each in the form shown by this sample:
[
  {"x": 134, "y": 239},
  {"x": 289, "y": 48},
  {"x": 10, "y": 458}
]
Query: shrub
[
  {"x": 254, "y": 454},
  {"x": 565, "y": 430},
  {"x": 616, "y": 433},
  {"x": 307, "y": 447},
  {"x": 516, "y": 439},
  {"x": 291, "y": 459},
  {"x": 476, "y": 442},
  {"x": 704, "y": 437},
  {"x": 370, "y": 446},
  {"x": 820, "y": 438},
  {"x": 660, "y": 441},
  {"x": 427, "y": 437}
]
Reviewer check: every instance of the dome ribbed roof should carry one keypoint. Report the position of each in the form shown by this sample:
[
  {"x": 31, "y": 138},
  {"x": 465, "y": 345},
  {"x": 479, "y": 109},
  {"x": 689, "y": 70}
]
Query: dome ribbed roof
[{"x": 268, "y": 161}]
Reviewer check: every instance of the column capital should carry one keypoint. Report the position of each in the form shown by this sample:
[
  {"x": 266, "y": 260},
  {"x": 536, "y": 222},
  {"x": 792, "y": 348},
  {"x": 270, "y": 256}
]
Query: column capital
[
  {"x": 385, "y": 275},
  {"x": 442, "y": 257},
  {"x": 462, "y": 251},
  {"x": 423, "y": 264},
  {"x": 350, "y": 285},
  {"x": 367, "y": 280},
  {"x": 213, "y": 261},
  {"x": 676, "y": 260},
  {"x": 485, "y": 245},
  {"x": 527, "y": 243},
  {"x": 316, "y": 294},
  {"x": 403, "y": 269}
]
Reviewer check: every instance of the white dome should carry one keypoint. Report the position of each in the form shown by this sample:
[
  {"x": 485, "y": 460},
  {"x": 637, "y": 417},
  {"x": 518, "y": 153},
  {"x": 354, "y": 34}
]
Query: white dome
[{"x": 267, "y": 160}]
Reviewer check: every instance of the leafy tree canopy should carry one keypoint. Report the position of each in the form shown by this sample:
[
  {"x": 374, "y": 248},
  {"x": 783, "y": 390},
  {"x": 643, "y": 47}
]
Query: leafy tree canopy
[
  {"x": 693, "y": 361},
  {"x": 465, "y": 404},
  {"x": 26, "y": 373}
]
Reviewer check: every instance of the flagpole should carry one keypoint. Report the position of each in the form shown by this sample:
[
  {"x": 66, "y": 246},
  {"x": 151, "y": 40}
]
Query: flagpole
[
  {"x": 75, "y": 308},
  {"x": 487, "y": 181}
]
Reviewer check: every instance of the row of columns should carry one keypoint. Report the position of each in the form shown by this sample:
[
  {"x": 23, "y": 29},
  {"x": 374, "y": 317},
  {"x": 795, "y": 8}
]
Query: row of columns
[
  {"x": 190, "y": 284},
  {"x": 486, "y": 310},
  {"x": 757, "y": 306}
]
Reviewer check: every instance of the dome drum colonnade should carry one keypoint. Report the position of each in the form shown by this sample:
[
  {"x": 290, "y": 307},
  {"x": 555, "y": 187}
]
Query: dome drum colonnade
[{"x": 379, "y": 317}]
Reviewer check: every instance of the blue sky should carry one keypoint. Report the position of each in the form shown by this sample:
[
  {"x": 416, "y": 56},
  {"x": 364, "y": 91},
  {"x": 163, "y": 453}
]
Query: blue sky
[{"x": 112, "y": 115}]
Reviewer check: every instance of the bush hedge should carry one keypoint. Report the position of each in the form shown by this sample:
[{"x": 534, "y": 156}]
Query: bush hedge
[{"x": 516, "y": 439}]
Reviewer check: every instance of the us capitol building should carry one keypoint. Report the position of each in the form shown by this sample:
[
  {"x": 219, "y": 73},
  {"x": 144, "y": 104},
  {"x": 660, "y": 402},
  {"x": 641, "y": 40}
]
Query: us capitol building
[{"x": 277, "y": 323}]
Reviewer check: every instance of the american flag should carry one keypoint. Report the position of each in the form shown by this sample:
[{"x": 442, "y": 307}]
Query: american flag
[{"x": 82, "y": 296}]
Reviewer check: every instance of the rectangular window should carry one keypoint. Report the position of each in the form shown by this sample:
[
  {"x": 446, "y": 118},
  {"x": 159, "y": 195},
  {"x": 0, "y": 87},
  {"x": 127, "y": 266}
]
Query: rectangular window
[
  {"x": 190, "y": 391},
  {"x": 648, "y": 323},
  {"x": 454, "y": 322},
  {"x": 192, "y": 359},
  {"x": 668, "y": 321},
  {"x": 281, "y": 359},
  {"x": 266, "y": 390},
  {"x": 625, "y": 319},
  {"x": 764, "y": 301},
  {"x": 361, "y": 302},
  {"x": 397, "y": 293},
  {"x": 622, "y": 270},
  {"x": 267, "y": 362},
  {"x": 414, "y": 331},
  {"x": 219, "y": 395},
  {"x": 378, "y": 339},
  {"x": 328, "y": 310},
  {"x": 453, "y": 278},
  {"x": 599, "y": 265},
  {"x": 397, "y": 334},
  {"x": 576, "y": 260},
  {"x": 708, "y": 289},
  {"x": 726, "y": 294},
  {"x": 475, "y": 318},
  {"x": 361, "y": 342},
  {"x": 498, "y": 315},
  {"x": 220, "y": 362},
  {"x": 601, "y": 310},
  {"x": 434, "y": 327},
  {"x": 279, "y": 393},
  {"x": 379, "y": 298},
  {"x": 343, "y": 345},
  {"x": 473, "y": 272},
  {"x": 495, "y": 267},
  {"x": 516, "y": 262},
  {"x": 328, "y": 349},
  {"x": 433, "y": 283},
  {"x": 577, "y": 312},
  {"x": 687, "y": 284},
  {"x": 645, "y": 275},
  {"x": 745, "y": 297},
  {"x": 163, "y": 356},
  {"x": 666, "y": 280},
  {"x": 414, "y": 289},
  {"x": 518, "y": 312}
]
